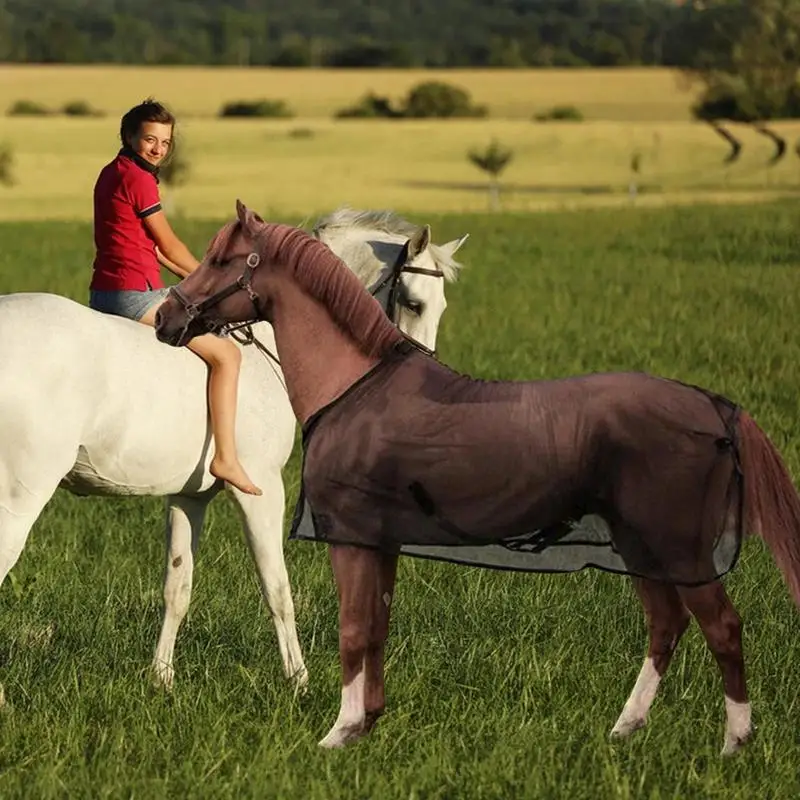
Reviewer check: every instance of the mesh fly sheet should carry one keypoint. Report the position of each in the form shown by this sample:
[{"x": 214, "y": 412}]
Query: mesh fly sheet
[{"x": 624, "y": 472}]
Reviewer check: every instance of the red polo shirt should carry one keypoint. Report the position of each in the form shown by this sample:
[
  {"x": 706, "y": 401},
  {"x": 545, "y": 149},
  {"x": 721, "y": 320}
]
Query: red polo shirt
[{"x": 125, "y": 193}]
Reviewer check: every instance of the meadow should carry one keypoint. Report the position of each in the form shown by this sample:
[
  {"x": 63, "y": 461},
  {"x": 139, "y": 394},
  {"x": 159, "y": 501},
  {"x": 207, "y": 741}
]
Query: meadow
[
  {"x": 309, "y": 164},
  {"x": 499, "y": 684},
  {"x": 609, "y": 94}
]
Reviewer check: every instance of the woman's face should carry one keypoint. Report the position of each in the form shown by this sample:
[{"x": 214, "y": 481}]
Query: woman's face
[{"x": 152, "y": 142}]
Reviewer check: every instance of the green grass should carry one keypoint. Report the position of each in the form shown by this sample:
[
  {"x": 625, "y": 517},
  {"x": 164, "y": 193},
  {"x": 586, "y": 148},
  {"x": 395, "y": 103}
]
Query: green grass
[{"x": 499, "y": 685}]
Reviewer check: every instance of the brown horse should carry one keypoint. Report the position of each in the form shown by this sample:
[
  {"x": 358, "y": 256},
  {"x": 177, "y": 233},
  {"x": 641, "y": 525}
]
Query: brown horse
[{"x": 401, "y": 451}]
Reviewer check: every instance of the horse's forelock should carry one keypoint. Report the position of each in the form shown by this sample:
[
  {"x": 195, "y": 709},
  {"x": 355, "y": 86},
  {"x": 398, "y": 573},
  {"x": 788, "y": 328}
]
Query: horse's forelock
[{"x": 222, "y": 239}]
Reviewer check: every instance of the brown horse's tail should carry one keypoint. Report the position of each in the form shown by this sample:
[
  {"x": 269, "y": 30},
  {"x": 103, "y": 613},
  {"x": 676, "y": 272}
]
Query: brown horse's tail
[{"x": 771, "y": 502}]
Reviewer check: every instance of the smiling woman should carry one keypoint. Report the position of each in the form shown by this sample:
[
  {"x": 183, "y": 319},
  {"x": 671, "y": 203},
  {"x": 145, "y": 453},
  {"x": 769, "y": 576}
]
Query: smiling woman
[{"x": 133, "y": 239}]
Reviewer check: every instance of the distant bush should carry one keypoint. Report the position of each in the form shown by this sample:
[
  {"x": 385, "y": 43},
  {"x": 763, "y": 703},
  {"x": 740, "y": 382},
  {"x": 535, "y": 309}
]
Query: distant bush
[
  {"x": 6, "y": 165},
  {"x": 80, "y": 108},
  {"x": 27, "y": 108},
  {"x": 370, "y": 106},
  {"x": 438, "y": 99},
  {"x": 425, "y": 100},
  {"x": 560, "y": 113},
  {"x": 302, "y": 133},
  {"x": 256, "y": 108},
  {"x": 175, "y": 170}
]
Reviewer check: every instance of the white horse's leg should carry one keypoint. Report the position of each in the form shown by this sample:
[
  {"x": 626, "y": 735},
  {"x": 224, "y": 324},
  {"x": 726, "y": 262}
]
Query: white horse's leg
[
  {"x": 263, "y": 525},
  {"x": 16, "y": 521},
  {"x": 185, "y": 517},
  {"x": 20, "y": 507}
]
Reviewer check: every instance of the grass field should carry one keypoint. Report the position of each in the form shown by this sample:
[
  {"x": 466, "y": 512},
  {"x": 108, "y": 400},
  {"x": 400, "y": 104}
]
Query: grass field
[
  {"x": 603, "y": 94},
  {"x": 418, "y": 165},
  {"x": 309, "y": 165},
  {"x": 499, "y": 685}
]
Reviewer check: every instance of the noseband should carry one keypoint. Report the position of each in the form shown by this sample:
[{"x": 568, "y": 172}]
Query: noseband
[{"x": 243, "y": 282}]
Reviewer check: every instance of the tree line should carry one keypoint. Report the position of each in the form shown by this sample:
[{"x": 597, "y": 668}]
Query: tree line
[
  {"x": 744, "y": 52},
  {"x": 354, "y": 33}
]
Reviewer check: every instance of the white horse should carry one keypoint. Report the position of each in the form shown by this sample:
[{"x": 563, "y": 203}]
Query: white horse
[{"x": 95, "y": 404}]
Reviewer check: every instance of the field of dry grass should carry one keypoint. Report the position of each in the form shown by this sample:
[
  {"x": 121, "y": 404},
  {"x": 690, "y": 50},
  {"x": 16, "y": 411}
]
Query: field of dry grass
[
  {"x": 602, "y": 94},
  {"x": 298, "y": 168}
]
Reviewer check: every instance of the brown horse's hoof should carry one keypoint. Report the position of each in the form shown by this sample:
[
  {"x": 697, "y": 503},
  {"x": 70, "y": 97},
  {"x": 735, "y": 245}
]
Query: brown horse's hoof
[{"x": 371, "y": 718}]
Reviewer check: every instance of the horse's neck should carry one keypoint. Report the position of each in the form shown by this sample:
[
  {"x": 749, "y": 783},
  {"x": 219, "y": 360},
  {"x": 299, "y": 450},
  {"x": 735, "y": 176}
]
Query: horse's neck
[{"x": 319, "y": 360}]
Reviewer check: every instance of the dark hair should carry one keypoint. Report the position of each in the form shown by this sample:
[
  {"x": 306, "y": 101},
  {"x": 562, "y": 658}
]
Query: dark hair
[{"x": 149, "y": 110}]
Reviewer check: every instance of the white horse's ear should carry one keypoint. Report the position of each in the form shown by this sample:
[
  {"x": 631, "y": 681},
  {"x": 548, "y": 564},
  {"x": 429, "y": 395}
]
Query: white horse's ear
[
  {"x": 419, "y": 242},
  {"x": 452, "y": 247},
  {"x": 250, "y": 221}
]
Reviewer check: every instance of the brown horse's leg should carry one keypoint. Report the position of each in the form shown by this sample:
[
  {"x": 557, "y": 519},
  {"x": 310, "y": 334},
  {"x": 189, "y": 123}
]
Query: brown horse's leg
[
  {"x": 356, "y": 570},
  {"x": 722, "y": 627},
  {"x": 667, "y": 619},
  {"x": 374, "y": 697}
]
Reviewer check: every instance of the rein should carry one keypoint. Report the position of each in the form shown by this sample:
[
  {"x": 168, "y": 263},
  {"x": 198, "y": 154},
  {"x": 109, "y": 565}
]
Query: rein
[{"x": 389, "y": 285}]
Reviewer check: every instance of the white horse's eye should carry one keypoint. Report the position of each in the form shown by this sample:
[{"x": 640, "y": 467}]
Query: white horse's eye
[{"x": 414, "y": 307}]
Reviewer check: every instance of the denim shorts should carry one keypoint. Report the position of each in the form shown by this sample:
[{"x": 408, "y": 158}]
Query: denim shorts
[{"x": 130, "y": 304}]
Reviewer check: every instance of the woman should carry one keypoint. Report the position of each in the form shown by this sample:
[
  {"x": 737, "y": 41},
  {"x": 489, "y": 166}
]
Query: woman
[{"x": 132, "y": 236}]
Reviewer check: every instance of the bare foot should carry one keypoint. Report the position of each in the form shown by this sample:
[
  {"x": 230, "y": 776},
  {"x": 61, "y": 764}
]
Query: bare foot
[{"x": 234, "y": 474}]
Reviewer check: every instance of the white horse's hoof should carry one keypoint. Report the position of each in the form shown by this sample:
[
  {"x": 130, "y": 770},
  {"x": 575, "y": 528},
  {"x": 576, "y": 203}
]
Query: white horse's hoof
[
  {"x": 163, "y": 675},
  {"x": 300, "y": 681}
]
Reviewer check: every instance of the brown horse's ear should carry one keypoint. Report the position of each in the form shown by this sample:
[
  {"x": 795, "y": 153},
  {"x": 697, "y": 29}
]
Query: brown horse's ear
[{"x": 250, "y": 221}]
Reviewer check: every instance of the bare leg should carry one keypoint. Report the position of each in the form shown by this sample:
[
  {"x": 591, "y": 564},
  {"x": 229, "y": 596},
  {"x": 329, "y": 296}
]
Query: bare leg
[
  {"x": 722, "y": 627},
  {"x": 667, "y": 619},
  {"x": 224, "y": 360},
  {"x": 356, "y": 570}
]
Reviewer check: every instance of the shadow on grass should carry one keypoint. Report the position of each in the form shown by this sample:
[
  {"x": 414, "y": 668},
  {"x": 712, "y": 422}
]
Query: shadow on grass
[{"x": 600, "y": 189}]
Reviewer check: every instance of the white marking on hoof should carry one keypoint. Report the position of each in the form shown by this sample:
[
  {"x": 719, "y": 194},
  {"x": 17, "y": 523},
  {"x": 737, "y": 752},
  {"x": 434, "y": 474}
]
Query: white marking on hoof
[
  {"x": 634, "y": 714},
  {"x": 625, "y": 727},
  {"x": 340, "y": 736},
  {"x": 349, "y": 725},
  {"x": 739, "y": 726}
]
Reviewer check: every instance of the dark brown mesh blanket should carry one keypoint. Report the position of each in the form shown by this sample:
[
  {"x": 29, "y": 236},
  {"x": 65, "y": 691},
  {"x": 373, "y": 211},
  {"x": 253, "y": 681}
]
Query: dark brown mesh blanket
[{"x": 625, "y": 472}]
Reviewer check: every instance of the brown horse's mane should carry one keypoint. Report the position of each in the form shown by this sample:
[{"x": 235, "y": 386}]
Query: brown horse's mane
[{"x": 322, "y": 275}]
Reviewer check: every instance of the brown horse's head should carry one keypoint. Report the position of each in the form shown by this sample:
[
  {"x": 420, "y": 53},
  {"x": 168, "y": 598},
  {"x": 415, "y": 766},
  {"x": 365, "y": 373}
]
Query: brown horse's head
[{"x": 220, "y": 290}]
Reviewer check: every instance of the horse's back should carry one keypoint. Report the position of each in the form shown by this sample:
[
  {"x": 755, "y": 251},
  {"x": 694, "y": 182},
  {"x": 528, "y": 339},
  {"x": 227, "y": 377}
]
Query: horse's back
[
  {"x": 132, "y": 411},
  {"x": 129, "y": 411}
]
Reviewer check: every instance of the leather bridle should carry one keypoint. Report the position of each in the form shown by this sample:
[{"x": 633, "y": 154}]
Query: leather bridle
[{"x": 387, "y": 287}]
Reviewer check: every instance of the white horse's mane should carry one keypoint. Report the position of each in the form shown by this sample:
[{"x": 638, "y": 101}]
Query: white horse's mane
[{"x": 345, "y": 219}]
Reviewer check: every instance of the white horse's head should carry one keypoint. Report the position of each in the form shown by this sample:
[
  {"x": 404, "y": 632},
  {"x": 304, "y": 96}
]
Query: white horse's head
[{"x": 398, "y": 263}]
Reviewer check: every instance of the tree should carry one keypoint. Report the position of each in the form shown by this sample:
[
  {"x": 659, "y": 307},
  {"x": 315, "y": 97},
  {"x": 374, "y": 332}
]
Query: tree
[
  {"x": 175, "y": 170},
  {"x": 6, "y": 165},
  {"x": 748, "y": 58},
  {"x": 493, "y": 160},
  {"x": 439, "y": 99}
]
